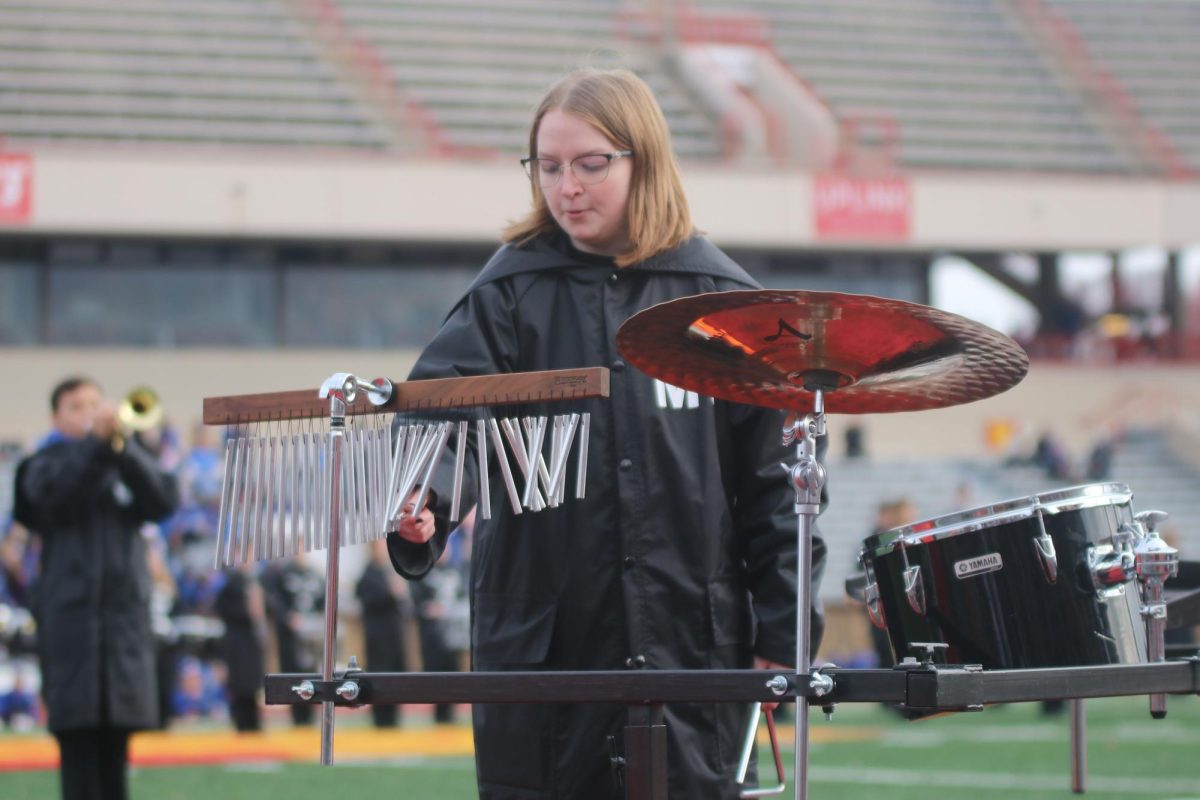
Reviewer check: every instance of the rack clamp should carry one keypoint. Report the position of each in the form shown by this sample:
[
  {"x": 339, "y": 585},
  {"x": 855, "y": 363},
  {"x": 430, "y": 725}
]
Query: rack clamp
[
  {"x": 821, "y": 685},
  {"x": 1195, "y": 662},
  {"x": 343, "y": 690},
  {"x": 932, "y": 686}
]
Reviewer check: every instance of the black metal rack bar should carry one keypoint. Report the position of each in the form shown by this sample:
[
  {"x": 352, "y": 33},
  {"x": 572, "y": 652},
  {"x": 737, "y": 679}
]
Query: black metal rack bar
[
  {"x": 643, "y": 766},
  {"x": 917, "y": 686},
  {"x": 629, "y": 687}
]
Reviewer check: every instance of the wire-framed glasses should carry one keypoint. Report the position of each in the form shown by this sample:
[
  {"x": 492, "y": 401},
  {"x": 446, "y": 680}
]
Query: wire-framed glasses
[{"x": 588, "y": 169}]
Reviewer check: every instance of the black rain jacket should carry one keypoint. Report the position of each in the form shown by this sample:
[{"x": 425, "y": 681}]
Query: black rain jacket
[
  {"x": 88, "y": 504},
  {"x": 682, "y": 555}
]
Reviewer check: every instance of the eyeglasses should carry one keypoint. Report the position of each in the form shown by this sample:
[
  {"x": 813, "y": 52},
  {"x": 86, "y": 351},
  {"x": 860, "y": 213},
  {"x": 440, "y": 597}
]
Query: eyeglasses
[{"x": 589, "y": 169}]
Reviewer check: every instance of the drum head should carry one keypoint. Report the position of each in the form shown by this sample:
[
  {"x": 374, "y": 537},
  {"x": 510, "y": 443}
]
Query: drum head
[{"x": 1075, "y": 497}]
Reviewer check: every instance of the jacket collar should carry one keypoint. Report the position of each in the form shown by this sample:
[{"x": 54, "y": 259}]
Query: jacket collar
[{"x": 697, "y": 256}]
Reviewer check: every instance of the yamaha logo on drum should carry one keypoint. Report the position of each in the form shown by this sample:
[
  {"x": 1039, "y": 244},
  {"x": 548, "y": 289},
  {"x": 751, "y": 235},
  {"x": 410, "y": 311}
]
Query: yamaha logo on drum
[{"x": 978, "y": 565}]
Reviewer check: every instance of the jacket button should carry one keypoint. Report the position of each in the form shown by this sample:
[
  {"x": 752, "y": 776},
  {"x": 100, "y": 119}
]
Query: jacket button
[
  {"x": 614, "y": 277},
  {"x": 635, "y": 661},
  {"x": 630, "y": 561},
  {"x": 617, "y": 366},
  {"x": 625, "y": 465}
]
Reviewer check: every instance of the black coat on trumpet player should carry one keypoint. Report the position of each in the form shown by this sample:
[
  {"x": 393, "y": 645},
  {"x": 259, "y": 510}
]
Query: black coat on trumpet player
[
  {"x": 88, "y": 503},
  {"x": 682, "y": 555}
]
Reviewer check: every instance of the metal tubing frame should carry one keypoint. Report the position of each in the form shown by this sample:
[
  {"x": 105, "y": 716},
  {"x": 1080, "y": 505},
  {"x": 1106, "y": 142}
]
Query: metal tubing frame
[
  {"x": 337, "y": 433},
  {"x": 918, "y": 686},
  {"x": 806, "y": 523},
  {"x": 923, "y": 687},
  {"x": 1078, "y": 746},
  {"x": 808, "y": 479}
]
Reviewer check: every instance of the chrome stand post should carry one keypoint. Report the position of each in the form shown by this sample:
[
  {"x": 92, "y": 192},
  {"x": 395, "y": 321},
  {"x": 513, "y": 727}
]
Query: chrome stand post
[
  {"x": 341, "y": 388},
  {"x": 1078, "y": 746},
  {"x": 808, "y": 479},
  {"x": 337, "y": 434}
]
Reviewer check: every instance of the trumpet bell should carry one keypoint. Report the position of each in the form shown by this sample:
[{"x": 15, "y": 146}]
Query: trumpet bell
[{"x": 140, "y": 410}]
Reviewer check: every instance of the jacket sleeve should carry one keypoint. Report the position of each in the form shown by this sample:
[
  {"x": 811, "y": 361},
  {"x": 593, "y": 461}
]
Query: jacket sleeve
[
  {"x": 155, "y": 491},
  {"x": 766, "y": 525},
  {"x": 56, "y": 484},
  {"x": 478, "y": 338}
]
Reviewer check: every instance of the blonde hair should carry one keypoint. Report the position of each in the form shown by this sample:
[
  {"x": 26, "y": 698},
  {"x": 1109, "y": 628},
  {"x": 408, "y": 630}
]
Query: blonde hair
[{"x": 621, "y": 106}]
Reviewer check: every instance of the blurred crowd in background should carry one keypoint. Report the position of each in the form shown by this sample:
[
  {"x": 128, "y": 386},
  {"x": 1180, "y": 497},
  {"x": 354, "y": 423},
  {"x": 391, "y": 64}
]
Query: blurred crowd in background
[{"x": 217, "y": 632}]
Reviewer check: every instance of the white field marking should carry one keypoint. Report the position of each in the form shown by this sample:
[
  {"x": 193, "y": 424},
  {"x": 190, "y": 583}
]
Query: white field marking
[
  {"x": 255, "y": 766},
  {"x": 1166, "y": 731},
  {"x": 1006, "y": 733},
  {"x": 1096, "y": 784},
  {"x": 1152, "y": 731}
]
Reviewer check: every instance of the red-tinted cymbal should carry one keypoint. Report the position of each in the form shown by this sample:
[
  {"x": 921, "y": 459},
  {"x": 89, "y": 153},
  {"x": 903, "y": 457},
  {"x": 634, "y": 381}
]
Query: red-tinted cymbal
[{"x": 761, "y": 347}]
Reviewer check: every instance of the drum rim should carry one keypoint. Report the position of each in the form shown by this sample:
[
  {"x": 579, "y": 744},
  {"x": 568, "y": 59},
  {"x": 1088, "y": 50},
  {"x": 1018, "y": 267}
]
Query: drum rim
[{"x": 990, "y": 515}]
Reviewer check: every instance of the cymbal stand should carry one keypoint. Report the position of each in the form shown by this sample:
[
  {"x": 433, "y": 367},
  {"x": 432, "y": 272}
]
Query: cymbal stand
[{"x": 808, "y": 479}]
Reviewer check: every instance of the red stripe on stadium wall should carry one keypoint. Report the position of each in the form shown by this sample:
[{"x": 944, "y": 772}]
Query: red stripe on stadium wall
[
  {"x": 848, "y": 206},
  {"x": 16, "y": 187}
]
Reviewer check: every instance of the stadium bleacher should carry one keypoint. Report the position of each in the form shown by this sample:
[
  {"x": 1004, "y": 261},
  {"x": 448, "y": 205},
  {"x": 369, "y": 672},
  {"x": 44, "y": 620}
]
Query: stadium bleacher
[
  {"x": 1150, "y": 49},
  {"x": 477, "y": 68},
  {"x": 965, "y": 87},
  {"x": 963, "y": 84},
  {"x": 224, "y": 72}
]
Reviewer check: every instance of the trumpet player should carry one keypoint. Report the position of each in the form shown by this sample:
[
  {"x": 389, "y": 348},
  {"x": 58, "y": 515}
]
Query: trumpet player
[{"x": 87, "y": 491}]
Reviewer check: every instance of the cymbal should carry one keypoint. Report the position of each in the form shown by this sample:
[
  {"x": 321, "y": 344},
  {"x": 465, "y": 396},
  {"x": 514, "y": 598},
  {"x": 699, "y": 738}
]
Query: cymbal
[{"x": 870, "y": 354}]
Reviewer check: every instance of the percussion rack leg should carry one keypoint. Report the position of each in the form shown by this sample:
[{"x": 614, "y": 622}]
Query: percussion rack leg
[
  {"x": 646, "y": 753},
  {"x": 1078, "y": 746}
]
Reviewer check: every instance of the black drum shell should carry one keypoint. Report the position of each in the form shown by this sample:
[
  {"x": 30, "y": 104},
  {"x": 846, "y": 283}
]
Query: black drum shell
[{"x": 1014, "y": 617}]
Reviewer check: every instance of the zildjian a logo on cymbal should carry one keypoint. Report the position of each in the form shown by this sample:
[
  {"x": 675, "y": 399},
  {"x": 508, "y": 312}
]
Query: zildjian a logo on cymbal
[{"x": 785, "y": 328}]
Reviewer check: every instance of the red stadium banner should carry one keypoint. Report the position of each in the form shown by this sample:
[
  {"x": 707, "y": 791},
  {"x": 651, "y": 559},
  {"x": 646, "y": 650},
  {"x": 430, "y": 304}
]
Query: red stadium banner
[
  {"x": 16, "y": 187},
  {"x": 852, "y": 207}
]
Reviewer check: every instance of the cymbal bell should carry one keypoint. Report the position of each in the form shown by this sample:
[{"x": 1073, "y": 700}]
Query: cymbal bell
[{"x": 773, "y": 348}]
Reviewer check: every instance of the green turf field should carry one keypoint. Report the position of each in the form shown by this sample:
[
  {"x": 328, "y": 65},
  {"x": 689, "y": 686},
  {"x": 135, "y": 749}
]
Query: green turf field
[{"x": 1003, "y": 753}]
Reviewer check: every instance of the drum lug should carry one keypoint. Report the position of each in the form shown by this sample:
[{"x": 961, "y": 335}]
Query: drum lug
[
  {"x": 1127, "y": 535},
  {"x": 914, "y": 589},
  {"x": 874, "y": 608},
  {"x": 1047, "y": 556}
]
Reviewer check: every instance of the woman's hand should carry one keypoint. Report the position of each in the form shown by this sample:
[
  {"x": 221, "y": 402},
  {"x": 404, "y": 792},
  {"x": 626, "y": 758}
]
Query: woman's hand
[{"x": 415, "y": 528}]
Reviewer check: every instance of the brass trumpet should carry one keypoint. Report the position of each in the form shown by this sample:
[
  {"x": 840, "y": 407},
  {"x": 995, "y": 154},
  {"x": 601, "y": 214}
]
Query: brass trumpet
[{"x": 140, "y": 411}]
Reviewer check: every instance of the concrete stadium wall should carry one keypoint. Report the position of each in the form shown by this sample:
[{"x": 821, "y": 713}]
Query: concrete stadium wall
[{"x": 188, "y": 192}]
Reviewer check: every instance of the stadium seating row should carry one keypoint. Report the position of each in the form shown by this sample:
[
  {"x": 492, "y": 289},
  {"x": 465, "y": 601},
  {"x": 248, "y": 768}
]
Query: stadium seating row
[{"x": 961, "y": 84}]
